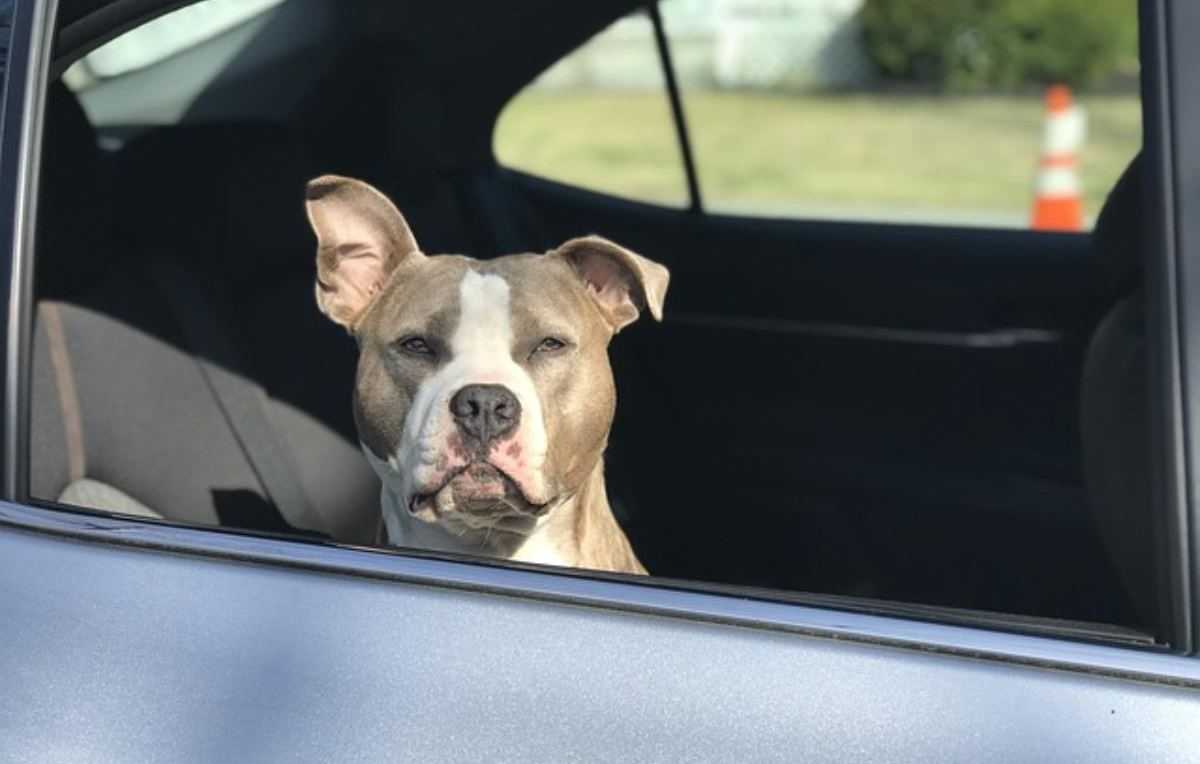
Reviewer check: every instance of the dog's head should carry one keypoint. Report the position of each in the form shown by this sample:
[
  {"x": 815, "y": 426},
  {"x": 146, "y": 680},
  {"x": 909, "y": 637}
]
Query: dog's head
[{"x": 484, "y": 395}]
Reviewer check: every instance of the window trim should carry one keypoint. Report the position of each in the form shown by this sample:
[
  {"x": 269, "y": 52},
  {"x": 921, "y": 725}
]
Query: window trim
[
  {"x": 20, "y": 168},
  {"x": 1172, "y": 107}
]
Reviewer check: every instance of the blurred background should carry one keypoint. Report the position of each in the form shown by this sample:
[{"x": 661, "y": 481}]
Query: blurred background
[{"x": 892, "y": 110}]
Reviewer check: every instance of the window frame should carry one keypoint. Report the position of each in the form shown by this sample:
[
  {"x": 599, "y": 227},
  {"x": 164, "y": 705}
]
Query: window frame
[
  {"x": 1171, "y": 104},
  {"x": 28, "y": 77}
]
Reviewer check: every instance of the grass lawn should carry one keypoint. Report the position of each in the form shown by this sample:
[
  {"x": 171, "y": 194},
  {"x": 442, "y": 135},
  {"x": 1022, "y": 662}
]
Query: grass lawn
[{"x": 867, "y": 155}]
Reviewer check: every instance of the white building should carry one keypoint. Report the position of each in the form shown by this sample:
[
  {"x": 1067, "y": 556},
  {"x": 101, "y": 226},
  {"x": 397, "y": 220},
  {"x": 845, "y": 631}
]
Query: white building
[{"x": 793, "y": 44}]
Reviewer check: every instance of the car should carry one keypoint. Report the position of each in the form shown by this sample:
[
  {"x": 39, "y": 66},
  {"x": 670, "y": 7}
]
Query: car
[{"x": 910, "y": 486}]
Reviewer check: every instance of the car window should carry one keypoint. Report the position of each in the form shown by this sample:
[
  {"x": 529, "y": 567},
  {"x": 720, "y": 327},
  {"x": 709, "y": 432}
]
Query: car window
[
  {"x": 885, "y": 110},
  {"x": 894, "y": 110},
  {"x": 211, "y": 34},
  {"x": 165, "y": 36},
  {"x": 846, "y": 409},
  {"x": 599, "y": 118}
]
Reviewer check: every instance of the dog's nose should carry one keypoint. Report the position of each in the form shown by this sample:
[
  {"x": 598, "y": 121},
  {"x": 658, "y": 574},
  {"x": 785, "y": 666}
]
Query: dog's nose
[{"x": 485, "y": 412}]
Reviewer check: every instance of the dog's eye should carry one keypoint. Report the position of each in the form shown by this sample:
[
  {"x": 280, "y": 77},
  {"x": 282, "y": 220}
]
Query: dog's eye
[
  {"x": 415, "y": 346},
  {"x": 549, "y": 345}
]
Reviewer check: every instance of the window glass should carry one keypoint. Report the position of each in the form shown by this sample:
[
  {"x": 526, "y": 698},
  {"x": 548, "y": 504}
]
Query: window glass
[
  {"x": 904, "y": 111},
  {"x": 600, "y": 119},
  {"x": 152, "y": 74},
  {"x": 164, "y": 36}
]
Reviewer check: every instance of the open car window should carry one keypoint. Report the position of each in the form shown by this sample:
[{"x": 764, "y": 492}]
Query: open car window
[{"x": 920, "y": 418}]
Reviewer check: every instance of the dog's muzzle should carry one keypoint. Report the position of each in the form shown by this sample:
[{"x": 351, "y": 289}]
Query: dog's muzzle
[
  {"x": 480, "y": 490},
  {"x": 485, "y": 415}
]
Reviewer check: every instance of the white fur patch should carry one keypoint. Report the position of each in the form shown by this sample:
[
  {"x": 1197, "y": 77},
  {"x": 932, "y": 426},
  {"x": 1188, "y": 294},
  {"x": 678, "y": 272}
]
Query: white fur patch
[
  {"x": 480, "y": 353},
  {"x": 483, "y": 337},
  {"x": 549, "y": 542}
]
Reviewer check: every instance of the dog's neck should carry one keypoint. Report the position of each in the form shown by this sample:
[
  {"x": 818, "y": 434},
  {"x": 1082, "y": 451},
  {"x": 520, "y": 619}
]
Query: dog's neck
[{"x": 579, "y": 532}]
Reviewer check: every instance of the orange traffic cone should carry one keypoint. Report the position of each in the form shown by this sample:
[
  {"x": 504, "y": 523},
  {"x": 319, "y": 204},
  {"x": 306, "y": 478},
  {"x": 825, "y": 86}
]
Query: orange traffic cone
[{"x": 1058, "y": 199}]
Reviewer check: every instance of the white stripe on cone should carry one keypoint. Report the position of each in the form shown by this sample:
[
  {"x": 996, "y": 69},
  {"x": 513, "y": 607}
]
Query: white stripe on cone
[
  {"x": 1065, "y": 132},
  {"x": 1058, "y": 182}
]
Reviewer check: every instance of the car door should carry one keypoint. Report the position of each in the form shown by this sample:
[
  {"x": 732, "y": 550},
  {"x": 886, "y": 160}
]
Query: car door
[{"x": 134, "y": 640}]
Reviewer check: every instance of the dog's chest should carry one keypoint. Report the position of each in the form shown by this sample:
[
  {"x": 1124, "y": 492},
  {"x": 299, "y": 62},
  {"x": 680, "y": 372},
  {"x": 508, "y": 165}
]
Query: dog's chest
[{"x": 545, "y": 548}]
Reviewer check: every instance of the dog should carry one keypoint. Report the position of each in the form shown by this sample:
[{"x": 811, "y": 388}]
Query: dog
[{"x": 484, "y": 395}]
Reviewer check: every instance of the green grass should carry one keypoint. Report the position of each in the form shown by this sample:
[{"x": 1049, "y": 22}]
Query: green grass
[{"x": 875, "y": 154}]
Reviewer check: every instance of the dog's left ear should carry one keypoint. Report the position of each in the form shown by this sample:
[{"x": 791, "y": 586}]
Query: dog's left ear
[{"x": 620, "y": 281}]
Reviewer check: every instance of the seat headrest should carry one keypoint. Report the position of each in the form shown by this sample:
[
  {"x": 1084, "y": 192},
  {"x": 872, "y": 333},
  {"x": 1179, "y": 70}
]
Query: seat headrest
[
  {"x": 1114, "y": 400},
  {"x": 74, "y": 235},
  {"x": 227, "y": 196},
  {"x": 1117, "y": 237}
]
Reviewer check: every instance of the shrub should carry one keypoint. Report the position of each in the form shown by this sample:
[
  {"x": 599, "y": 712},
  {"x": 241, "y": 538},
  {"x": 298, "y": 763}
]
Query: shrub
[{"x": 1000, "y": 44}]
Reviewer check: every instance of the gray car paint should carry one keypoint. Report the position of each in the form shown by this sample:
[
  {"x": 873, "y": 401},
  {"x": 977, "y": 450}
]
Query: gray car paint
[{"x": 112, "y": 653}]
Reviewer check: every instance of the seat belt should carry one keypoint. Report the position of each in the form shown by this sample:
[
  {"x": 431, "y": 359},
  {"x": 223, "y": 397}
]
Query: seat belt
[{"x": 242, "y": 402}]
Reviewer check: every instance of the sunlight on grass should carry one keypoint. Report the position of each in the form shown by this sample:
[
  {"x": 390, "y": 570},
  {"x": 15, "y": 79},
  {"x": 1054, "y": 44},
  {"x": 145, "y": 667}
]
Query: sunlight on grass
[{"x": 862, "y": 155}]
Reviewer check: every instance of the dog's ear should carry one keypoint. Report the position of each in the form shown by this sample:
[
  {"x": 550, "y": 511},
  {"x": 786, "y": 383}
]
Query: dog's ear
[
  {"x": 361, "y": 238},
  {"x": 620, "y": 281}
]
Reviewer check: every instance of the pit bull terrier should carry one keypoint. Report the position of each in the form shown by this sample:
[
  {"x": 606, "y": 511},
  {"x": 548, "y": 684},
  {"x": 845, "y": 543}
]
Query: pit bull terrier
[{"x": 484, "y": 395}]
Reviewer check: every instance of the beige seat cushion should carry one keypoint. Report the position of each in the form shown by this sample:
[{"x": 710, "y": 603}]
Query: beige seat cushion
[{"x": 94, "y": 494}]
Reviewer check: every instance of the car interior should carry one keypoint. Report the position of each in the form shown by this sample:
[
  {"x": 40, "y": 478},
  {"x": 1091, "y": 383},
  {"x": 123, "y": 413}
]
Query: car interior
[{"x": 879, "y": 415}]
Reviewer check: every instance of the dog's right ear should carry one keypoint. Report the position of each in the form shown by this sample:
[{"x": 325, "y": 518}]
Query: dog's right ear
[{"x": 361, "y": 238}]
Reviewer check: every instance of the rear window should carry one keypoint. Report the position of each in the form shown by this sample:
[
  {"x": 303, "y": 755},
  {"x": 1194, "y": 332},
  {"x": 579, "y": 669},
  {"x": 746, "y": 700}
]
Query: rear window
[
  {"x": 125, "y": 81},
  {"x": 600, "y": 119},
  {"x": 887, "y": 110}
]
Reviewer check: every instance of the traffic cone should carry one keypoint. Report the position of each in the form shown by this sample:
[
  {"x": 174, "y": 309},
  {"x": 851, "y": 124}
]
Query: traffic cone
[{"x": 1058, "y": 198}]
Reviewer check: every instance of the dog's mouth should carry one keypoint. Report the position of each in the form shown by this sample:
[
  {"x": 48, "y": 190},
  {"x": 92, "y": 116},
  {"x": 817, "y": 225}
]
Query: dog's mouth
[{"x": 477, "y": 493}]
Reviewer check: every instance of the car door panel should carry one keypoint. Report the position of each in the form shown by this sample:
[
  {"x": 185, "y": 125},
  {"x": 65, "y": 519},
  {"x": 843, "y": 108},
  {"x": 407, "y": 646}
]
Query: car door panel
[{"x": 114, "y": 653}]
